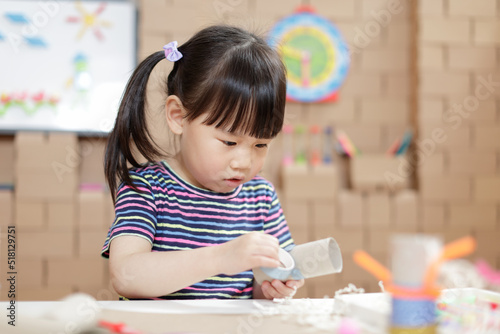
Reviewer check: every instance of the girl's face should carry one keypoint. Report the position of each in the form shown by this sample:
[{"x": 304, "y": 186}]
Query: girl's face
[{"x": 217, "y": 160}]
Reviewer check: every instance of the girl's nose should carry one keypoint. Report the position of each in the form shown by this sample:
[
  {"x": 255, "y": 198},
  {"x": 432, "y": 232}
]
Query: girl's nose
[{"x": 242, "y": 160}]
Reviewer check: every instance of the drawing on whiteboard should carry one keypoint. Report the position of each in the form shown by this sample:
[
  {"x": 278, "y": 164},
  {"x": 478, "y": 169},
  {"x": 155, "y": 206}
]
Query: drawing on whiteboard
[
  {"x": 17, "y": 18},
  {"x": 30, "y": 104},
  {"x": 31, "y": 38},
  {"x": 81, "y": 82},
  {"x": 90, "y": 20}
]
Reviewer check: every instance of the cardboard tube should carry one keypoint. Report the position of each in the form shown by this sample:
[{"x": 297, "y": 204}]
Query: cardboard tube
[
  {"x": 316, "y": 258},
  {"x": 282, "y": 272}
]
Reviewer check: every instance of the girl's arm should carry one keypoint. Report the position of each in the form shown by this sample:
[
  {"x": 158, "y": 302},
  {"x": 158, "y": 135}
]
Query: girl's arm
[{"x": 136, "y": 272}]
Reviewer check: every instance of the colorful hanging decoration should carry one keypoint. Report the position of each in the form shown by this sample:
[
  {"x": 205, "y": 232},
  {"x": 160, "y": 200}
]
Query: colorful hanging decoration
[
  {"x": 314, "y": 53},
  {"x": 90, "y": 20}
]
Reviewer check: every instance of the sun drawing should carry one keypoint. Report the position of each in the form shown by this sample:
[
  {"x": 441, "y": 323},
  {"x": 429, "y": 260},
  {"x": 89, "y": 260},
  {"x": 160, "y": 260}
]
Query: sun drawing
[{"x": 90, "y": 20}]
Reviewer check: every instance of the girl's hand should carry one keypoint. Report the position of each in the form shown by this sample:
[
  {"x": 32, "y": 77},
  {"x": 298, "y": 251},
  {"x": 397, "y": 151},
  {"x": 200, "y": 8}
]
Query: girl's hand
[
  {"x": 278, "y": 289},
  {"x": 251, "y": 250}
]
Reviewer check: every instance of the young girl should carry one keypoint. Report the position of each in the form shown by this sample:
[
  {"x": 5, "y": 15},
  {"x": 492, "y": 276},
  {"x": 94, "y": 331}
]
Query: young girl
[{"x": 193, "y": 226}]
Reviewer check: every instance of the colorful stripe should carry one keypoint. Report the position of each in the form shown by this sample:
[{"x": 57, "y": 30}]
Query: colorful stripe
[{"x": 174, "y": 215}]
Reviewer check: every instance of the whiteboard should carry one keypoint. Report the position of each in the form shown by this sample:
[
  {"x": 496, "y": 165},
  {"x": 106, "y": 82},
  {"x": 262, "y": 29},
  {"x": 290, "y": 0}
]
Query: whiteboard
[{"x": 64, "y": 64}]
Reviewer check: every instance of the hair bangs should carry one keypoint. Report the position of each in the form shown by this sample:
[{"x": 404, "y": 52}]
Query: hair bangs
[{"x": 242, "y": 100}]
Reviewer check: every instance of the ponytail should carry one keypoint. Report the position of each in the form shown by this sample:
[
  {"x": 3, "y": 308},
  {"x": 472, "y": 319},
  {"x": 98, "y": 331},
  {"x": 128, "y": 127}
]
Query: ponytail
[{"x": 130, "y": 127}]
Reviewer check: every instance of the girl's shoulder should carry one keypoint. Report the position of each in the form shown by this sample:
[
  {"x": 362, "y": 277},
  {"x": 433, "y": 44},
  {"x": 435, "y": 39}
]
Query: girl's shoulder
[
  {"x": 148, "y": 169},
  {"x": 259, "y": 183}
]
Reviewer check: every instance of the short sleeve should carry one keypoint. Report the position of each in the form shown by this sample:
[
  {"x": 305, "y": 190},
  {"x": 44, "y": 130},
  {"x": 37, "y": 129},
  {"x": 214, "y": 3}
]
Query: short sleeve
[
  {"x": 135, "y": 212},
  {"x": 275, "y": 223}
]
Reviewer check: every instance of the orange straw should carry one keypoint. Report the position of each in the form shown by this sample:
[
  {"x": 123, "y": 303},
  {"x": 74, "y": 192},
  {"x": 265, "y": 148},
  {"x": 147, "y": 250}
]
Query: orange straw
[
  {"x": 458, "y": 248},
  {"x": 364, "y": 260}
]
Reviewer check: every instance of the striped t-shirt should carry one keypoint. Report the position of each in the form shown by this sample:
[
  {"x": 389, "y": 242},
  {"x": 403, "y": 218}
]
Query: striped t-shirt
[{"x": 174, "y": 215}]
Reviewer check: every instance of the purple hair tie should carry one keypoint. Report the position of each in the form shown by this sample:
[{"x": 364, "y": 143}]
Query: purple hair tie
[{"x": 171, "y": 52}]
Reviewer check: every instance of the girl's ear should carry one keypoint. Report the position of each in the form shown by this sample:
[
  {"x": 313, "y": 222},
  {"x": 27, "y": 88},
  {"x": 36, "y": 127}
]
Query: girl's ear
[{"x": 174, "y": 113}]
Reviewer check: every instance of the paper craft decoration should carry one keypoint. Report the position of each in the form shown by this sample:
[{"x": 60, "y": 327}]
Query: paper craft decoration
[
  {"x": 64, "y": 64},
  {"x": 415, "y": 261},
  {"x": 314, "y": 53}
]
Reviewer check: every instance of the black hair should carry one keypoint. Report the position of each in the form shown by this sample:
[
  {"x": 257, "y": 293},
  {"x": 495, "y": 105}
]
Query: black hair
[{"x": 229, "y": 74}]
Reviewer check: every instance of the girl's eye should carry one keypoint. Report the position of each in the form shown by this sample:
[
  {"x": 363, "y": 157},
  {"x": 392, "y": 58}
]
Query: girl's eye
[
  {"x": 261, "y": 145},
  {"x": 229, "y": 143}
]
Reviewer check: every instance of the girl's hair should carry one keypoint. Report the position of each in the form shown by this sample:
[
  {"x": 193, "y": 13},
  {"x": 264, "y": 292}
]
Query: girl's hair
[{"x": 227, "y": 73}]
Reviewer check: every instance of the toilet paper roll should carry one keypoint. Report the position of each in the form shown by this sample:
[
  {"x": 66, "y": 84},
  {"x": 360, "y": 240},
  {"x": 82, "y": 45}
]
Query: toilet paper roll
[
  {"x": 316, "y": 258},
  {"x": 287, "y": 265}
]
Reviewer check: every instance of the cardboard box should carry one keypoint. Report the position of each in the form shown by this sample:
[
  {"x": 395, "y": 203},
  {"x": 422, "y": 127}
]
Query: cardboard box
[
  {"x": 31, "y": 274},
  {"x": 61, "y": 215},
  {"x": 379, "y": 241},
  {"x": 46, "y": 166},
  {"x": 44, "y": 294},
  {"x": 406, "y": 211},
  {"x": 432, "y": 165},
  {"x": 92, "y": 167},
  {"x": 445, "y": 188},
  {"x": 463, "y": 8},
  {"x": 76, "y": 273},
  {"x": 298, "y": 217},
  {"x": 7, "y": 163},
  {"x": 487, "y": 189},
  {"x": 152, "y": 16},
  {"x": 351, "y": 270},
  {"x": 465, "y": 163},
  {"x": 487, "y": 246},
  {"x": 315, "y": 183},
  {"x": 351, "y": 209},
  {"x": 6, "y": 209},
  {"x": 350, "y": 240},
  {"x": 44, "y": 245},
  {"x": 46, "y": 184},
  {"x": 474, "y": 216},
  {"x": 366, "y": 137},
  {"x": 433, "y": 218},
  {"x": 91, "y": 211},
  {"x": 439, "y": 136},
  {"x": 378, "y": 210},
  {"x": 36, "y": 150},
  {"x": 30, "y": 215},
  {"x": 324, "y": 218},
  {"x": 371, "y": 172},
  {"x": 90, "y": 243}
]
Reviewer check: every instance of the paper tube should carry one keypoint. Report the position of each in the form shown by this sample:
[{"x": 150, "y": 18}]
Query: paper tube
[
  {"x": 282, "y": 272},
  {"x": 317, "y": 258}
]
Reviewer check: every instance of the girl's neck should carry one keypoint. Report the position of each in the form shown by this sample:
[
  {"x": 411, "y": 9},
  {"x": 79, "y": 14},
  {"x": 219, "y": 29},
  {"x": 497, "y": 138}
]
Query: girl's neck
[{"x": 177, "y": 165}]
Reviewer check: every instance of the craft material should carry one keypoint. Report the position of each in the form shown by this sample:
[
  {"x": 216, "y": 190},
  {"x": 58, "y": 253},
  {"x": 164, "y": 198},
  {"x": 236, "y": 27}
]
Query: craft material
[
  {"x": 328, "y": 145},
  {"x": 415, "y": 261},
  {"x": 405, "y": 143},
  {"x": 315, "y": 145},
  {"x": 285, "y": 270},
  {"x": 300, "y": 145},
  {"x": 488, "y": 273},
  {"x": 312, "y": 259}
]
